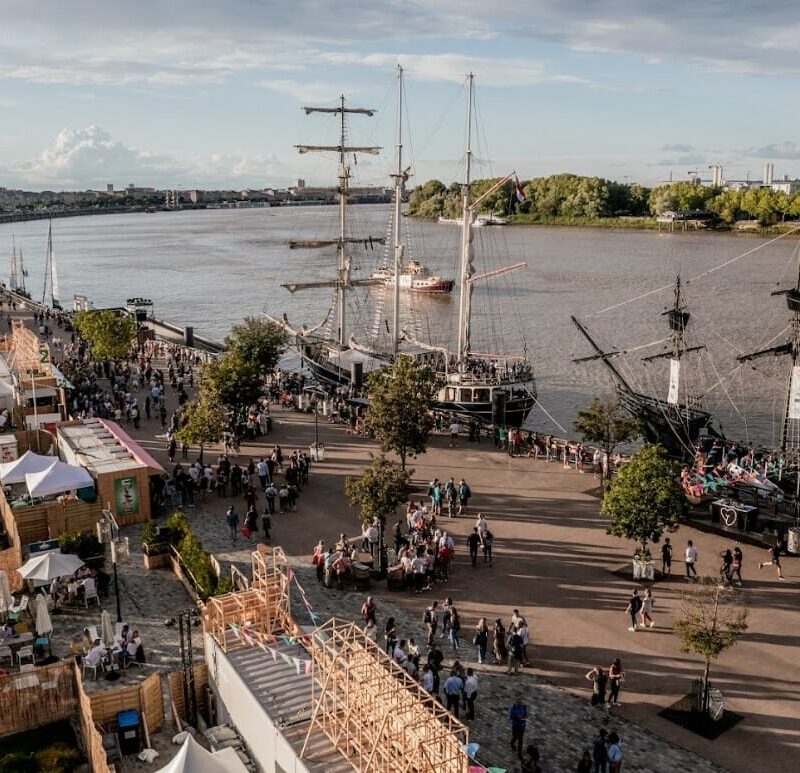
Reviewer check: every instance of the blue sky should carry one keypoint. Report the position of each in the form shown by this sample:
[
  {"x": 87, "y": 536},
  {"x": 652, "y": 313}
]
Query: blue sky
[{"x": 184, "y": 94}]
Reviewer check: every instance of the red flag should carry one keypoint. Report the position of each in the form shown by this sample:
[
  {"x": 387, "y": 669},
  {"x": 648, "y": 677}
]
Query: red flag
[{"x": 518, "y": 188}]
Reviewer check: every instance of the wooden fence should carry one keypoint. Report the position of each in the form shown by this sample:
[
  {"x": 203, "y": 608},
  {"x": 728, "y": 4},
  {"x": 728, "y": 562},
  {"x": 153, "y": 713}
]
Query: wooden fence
[
  {"x": 176, "y": 690},
  {"x": 37, "y": 698},
  {"x": 92, "y": 739},
  {"x": 146, "y": 698}
]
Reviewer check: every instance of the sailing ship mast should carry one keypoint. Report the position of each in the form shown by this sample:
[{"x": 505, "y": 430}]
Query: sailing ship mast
[
  {"x": 343, "y": 281},
  {"x": 13, "y": 277},
  {"x": 400, "y": 178},
  {"x": 790, "y": 429},
  {"x": 50, "y": 272}
]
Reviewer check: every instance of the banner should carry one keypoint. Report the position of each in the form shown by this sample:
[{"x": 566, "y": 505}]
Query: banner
[
  {"x": 794, "y": 393},
  {"x": 674, "y": 381},
  {"x": 126, "y": 496}
]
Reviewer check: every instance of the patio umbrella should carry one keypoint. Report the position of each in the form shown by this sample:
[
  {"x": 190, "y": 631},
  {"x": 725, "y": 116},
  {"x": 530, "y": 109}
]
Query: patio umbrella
[
  {"x": 6, "y": 599},
  {"x": 48, "y": 566},
  {"x": 44, "y": 626},
  {"x": 106, "y": 629}
]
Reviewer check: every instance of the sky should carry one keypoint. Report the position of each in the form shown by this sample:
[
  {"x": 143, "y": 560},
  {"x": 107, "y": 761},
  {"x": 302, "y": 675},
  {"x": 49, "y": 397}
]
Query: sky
[{"x": 190, "y": 93}]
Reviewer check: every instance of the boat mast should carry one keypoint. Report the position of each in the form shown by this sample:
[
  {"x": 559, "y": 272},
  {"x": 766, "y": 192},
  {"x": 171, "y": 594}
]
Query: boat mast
[
  {"x": 398, "y": 196},
  {"x": 13, "y": 278},
  {"x": 342, "y": 282},
  {"x": 465, "y": 291}
]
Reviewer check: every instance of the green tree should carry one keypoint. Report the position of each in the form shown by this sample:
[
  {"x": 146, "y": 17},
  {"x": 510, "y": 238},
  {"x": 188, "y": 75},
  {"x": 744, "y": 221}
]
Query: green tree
[
  {"x": 111, "y": 334},
  {"x": 257, "y": 341},
  {"x": 712, "y": 619},
  {"x": 232, "y": 381},
  {"x": 645, "y": 499},
  {"x": 399, "y": 412},
  {"x": 608, "y": 424},
  {"x": 379, "y": 489},
  {"x": 203, "y": 422}
]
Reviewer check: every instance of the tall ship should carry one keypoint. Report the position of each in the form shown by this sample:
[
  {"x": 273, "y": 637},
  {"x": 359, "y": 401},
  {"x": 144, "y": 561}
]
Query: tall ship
[
  {"x": 490, "y": 386},
  {"x": 677, "y": 420}
]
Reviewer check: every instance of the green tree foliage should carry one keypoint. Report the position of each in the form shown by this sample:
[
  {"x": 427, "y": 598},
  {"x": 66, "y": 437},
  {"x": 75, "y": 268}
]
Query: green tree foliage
[
  {"x": 645, "y": 499},
  {"x": 607, "y": 423},
  {"x": 203, "y": 422},
  {"x": 110, "y": 334},
  {"x": 399, "y": 413},
  {"x": 379, "y": 489},
  {"x": 712, "y": 619},
  {"x": 233, "y": 381},
  {"x": 257, "y": 341},
  {"x": 83, "y": 544}
]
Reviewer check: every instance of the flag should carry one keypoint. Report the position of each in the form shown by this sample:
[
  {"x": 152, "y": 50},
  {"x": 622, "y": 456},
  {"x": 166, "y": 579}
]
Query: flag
[{"x": 518, "y": 190}]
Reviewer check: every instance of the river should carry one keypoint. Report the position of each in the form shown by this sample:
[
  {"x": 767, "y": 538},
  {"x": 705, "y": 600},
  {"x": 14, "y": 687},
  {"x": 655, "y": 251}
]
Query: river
[{"x": 211, "y": 268}]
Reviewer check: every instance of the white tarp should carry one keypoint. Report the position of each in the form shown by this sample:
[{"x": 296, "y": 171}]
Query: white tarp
[
  {"x": 674, "y": 381},
  {"x": 794, "y": 394},
  {"x": 28, "y": 464},
  {"x": 57, "y": 479},
  {"x": 193, "y": 758}
]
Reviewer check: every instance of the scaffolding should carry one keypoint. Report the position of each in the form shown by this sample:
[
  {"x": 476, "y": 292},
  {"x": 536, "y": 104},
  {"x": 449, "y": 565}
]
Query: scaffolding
[
  {"x": 262, "y": 610},
  {"x": 376, "y": 716}
]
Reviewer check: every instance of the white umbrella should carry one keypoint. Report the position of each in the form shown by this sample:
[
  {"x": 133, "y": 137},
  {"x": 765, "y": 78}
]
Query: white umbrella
[
  {"x": 6, "y": 599},
  {"x": 43, "y": 624},
  {"x": 48, "y": 566},
  {"x": 106, "y": 629}
]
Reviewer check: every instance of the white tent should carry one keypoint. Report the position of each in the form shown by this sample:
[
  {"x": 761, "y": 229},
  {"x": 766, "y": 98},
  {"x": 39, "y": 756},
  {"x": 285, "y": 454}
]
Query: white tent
[
  {"x": 28, "y": 464},
  {"x": 48, "y": 566},
  {"x": 57, "y": 479},
  {"x": 192, "y": 757}
]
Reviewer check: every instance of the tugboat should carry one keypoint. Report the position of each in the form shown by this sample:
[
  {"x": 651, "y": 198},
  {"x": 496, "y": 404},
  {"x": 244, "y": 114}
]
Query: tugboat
[{"x": 415, "y": 278}]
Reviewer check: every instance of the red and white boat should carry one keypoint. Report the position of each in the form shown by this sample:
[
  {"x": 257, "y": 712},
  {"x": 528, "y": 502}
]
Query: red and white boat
[{"x": 414, "y": 278}]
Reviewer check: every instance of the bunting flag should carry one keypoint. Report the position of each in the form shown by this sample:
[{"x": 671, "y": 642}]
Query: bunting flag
[
  {"x": 471, "y": 749},
  {"x": 309, "y": 667},
  {"x": 290, "y": 573},
  {"x": 297, "y": 665},
  {"x": 314, "y": 617},
  {"x": 286, "y": 659}
]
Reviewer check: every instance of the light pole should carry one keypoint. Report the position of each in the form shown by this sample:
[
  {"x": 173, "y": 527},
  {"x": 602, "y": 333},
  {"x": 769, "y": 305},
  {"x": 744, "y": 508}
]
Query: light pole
[{"x": 108, "y": 534}]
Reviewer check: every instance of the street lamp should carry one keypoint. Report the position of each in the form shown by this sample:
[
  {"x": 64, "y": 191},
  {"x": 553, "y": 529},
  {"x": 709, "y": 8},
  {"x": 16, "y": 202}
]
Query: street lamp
[{"x": 108, "y": 534}]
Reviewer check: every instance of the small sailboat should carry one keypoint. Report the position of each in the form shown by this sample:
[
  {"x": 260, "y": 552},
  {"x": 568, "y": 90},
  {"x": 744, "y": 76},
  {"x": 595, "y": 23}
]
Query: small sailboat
[{"x": 50, "y": 273}]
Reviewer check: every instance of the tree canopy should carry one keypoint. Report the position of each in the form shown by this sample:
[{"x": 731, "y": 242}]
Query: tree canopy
[
  {"x": 257, "y": 341},
  {"x": 379, "y": 489},
  {"x": 233, "y": 381},
  {"x": 645, "y": 499},
  {"x": 399, "y": 412},
  {"x": 712, "y": 619},
  {"x": 202, "y": 422},
  {"x": 111, "y": 334}
]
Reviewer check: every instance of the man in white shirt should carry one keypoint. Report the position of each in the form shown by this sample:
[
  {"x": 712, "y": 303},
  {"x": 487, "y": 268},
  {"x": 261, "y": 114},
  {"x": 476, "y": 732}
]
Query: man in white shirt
[
  {"x": 418, "y": 570},
  {"x": 455, "y": 429},
  {"x": 427, "y": 680},
  {"x": 482, "y": 525},
  {"x": 470, "y": 693},
  {"x": 691, "y": 560}
]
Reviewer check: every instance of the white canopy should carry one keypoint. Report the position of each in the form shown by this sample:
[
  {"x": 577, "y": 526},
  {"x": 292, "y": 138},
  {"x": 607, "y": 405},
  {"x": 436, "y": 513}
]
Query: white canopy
[
  {"x": 192, "y": 757},
  {"x": 28, "y": 464},
  {"x": 56, "y": 479},
  {"x": 48, "y": 566}
]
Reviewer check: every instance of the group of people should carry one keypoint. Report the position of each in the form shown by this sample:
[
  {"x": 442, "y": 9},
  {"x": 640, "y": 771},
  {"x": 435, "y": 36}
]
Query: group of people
[{"x": 126, "y": 647}]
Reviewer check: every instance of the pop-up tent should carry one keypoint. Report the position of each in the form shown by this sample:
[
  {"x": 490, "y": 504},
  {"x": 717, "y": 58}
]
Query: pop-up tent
[
  {"x": 28, "y": 464},
  {"x": 57, "y": 479},
  {"x": 192, "y": 757}
]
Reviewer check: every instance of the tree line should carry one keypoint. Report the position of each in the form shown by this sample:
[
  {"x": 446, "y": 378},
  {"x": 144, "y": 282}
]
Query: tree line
[{"x": 572, "y": 197}]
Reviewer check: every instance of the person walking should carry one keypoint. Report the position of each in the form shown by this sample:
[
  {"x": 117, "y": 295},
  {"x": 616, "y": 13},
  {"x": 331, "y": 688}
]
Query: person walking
[
  {"x": 666, "y": 557},
  {"x": 736, "y": 566},
  {"x": 600, "y": 752},
  {"x": 615, "y": 677},
  {"x": 481, "y": 639},
  {"x": 648, "y": 602},
  {"x": 518, "y": 714},
  {"x": 455, "y": 629},
  {"x": 368, "y": 610},
  {"x": 266, "y": 525},
  {"x": 464, "y": 495},
  {"x": 599, "y": 679},
  {"x": 690, "y": 559},
  {"x": 473, "y": 541},
  {"x": 488, "y": 540},
  {"x": 470, "y": 693},
  {"x": 774, "y": 559},
  {"x": 390, "y": 636},
  {"x": 232, "y": 519},
  {"x": 614, "y": 753},
  {"x": 431, "y": 619},
  {"x": 634, "y": 605},
  {"x": 251, "y": 523}
]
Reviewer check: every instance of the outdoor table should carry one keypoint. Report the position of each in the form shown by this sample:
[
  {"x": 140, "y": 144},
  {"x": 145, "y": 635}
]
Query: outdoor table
[{"x": 734, "y": 515}]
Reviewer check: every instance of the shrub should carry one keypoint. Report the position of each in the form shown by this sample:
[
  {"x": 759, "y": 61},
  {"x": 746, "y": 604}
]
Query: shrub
[
  {"x": 84, "y": 544},
  {"x": 178, "y": 525},
  {"x": 198, "y": 562},
  {"x": 58, "y": 758}
]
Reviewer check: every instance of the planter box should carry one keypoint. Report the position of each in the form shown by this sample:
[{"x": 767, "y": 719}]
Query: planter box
[{"x": 157, "y": 561}]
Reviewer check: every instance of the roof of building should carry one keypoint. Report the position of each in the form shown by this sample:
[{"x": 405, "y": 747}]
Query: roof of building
[{"x": 103, "y": 446}]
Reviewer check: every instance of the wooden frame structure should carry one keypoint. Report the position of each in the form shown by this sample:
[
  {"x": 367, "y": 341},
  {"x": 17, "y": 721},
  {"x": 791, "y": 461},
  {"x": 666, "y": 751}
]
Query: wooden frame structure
[
  {"x": 378, "y": 717},
  {"x": 263, "y": 609}
]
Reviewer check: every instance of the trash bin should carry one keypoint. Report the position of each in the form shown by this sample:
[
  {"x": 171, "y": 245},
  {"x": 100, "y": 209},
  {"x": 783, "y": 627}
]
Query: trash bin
[{"x": 128, "y": 731}]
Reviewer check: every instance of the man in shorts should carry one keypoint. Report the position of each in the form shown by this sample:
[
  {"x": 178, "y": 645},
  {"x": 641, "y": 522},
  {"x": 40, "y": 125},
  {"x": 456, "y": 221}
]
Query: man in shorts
[
  {"x": 666, "y": 557},
  {"x": 775, "y": 559}
]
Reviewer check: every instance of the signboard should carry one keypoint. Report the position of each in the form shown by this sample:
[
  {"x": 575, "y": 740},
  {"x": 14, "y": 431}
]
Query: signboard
[
  {"x": 126, "y": 496},
  {"x": 674, "y": 381},
  {"x": 48, "y": 546},
  {"x": 794, "y": 393}
]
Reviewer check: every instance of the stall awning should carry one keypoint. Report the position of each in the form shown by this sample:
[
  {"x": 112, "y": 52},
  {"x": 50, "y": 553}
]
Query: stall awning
[
  {"x": 136, "y": 450},
  {"x": 57, "y": 479},
  {"x": 28, "y": 463}
]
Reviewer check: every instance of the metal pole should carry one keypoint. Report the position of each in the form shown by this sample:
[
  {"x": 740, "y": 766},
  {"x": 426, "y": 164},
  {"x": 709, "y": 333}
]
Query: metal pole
[{"x": 316, "y": 428}]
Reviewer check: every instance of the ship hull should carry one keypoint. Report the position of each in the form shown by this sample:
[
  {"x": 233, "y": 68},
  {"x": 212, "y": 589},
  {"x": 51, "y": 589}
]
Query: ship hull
[{"x": 517, "y": 408}]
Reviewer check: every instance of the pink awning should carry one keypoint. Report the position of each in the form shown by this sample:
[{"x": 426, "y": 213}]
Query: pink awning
[{"x": 138, "y": 452}]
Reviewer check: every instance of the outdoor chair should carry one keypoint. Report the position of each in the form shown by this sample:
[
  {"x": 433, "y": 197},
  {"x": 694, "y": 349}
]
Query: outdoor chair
[
  {"x": 26, "y": 667},
  {"x": 93, "y": 667},
  {"x": 6, "y": 654},
  {"x": 93, "y": 635},
  {"x": 24, "y": 653},
  {"x": 15, "y": 612},
  {"x": 90, "y": 593}
]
